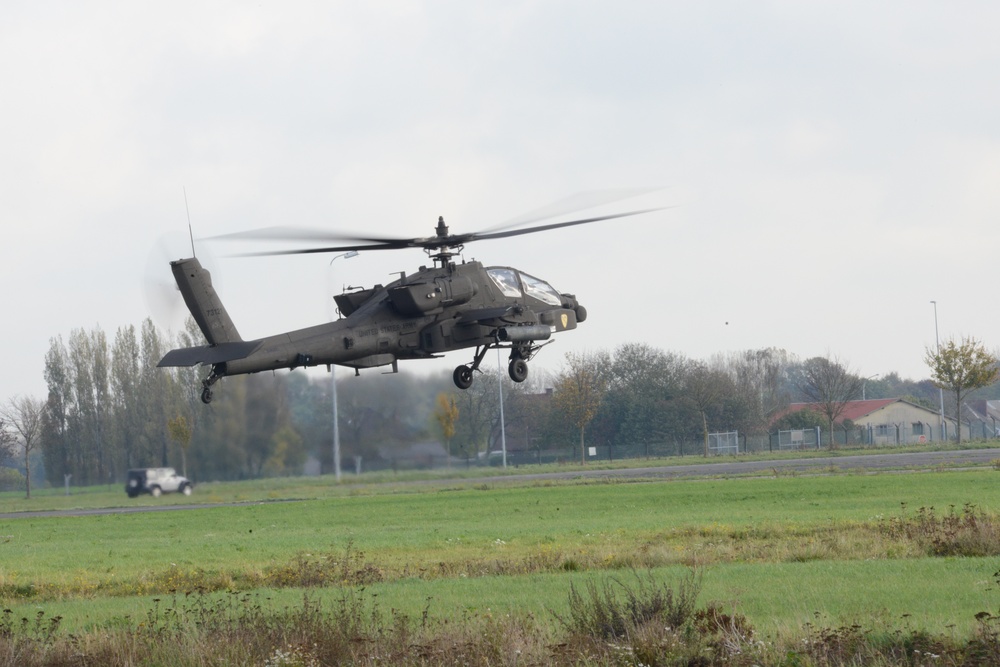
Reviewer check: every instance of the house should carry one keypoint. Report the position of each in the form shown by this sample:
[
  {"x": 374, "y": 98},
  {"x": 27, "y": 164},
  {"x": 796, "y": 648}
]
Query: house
[{"x": 888, "y": 421}]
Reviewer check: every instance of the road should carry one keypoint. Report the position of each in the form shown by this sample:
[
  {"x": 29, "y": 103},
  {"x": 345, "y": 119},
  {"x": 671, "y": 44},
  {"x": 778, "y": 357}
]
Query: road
[{"x": 862, "y": 463}]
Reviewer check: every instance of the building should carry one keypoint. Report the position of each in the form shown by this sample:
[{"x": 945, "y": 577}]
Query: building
[{"x": 889, "y": 421}]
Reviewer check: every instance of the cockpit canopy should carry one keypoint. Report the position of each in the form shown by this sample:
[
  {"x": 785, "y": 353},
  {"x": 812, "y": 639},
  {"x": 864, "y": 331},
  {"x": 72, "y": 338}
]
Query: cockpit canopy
[{"x": 514, "y": 284}]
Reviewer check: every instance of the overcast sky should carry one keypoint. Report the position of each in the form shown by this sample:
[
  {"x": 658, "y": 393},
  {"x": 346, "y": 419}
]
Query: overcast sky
[{"x": 831, "y": 167}]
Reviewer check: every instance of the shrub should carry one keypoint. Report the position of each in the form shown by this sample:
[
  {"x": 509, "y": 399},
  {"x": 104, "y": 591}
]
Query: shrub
[
  {"x": 613, "y": 608},
  {"x": 969, "y": 532}
]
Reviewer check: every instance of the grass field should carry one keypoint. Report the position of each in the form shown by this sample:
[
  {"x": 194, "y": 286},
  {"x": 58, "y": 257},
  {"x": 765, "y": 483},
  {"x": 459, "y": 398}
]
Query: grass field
[{"x": 778, "y": 549}]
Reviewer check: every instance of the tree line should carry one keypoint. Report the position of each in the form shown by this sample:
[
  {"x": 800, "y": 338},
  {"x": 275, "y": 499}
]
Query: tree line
[{"x": 109, "y": 408}]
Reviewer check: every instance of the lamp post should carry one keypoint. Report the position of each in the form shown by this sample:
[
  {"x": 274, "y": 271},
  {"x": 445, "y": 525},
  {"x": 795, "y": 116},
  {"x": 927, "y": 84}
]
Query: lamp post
[
  {"x": 503, "y": 427},
  {"x": 333, "y": 391},
  {"x": 937, "y": 345},
  {"x": 864, "y": 386}
]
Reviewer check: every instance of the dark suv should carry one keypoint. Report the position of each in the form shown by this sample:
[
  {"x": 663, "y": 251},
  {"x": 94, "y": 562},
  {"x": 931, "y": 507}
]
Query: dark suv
[{"x": 156, "y": 481}]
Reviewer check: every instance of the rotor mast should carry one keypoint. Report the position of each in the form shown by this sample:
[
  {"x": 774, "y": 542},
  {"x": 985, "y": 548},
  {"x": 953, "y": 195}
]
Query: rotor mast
[{"x": 445, "y": 247}]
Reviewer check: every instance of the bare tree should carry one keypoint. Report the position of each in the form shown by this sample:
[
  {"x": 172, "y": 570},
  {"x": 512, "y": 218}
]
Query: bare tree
[
  {"x": 706, "y": 387},
  {"x": 830, "y": 385},
  {"x": 758, "y": 376},
  {"x": 961, "y": 368},
  {"x": 23, "y": 417}
]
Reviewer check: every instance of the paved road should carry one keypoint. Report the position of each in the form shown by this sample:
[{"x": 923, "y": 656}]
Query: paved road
[
  {"x": 863, "y": 463},
  {"x": 873, "y": 462}
]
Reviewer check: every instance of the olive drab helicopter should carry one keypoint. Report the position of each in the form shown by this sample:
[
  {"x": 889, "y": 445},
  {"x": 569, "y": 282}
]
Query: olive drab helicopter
[{"x": 448, "y": 306}]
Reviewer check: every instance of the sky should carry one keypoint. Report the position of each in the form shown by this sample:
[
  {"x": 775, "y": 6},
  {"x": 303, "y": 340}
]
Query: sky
[{"x": 828, "y": 168}]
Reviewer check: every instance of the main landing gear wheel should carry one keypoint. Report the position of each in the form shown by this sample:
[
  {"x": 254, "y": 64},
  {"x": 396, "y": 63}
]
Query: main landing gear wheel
[
  {"x": 206, "y": 395},
  {"x": 518, "y": 370},
  {"x": 462, "y": 377}
]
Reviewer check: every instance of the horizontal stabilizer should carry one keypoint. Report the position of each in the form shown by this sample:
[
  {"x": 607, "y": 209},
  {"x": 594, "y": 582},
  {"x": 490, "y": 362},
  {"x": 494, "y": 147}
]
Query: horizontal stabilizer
[{"x": 209, "y": 354}]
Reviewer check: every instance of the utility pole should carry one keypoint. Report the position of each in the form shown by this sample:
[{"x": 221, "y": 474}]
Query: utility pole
[{"x": 333, "y": 392}]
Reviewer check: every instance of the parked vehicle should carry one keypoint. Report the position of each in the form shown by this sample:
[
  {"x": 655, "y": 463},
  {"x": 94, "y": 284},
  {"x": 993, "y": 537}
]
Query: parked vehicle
[{"x": 155, "y": 481}]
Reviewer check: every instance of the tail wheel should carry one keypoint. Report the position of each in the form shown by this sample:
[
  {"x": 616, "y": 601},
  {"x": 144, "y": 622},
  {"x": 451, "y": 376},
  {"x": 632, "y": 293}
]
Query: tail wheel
[{"x": 518, "y": 370}]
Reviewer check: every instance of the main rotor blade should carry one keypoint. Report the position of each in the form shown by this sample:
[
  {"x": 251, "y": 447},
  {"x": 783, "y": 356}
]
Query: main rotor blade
[
  {"x": 572, "y": 204},
  {"x": 300, "y": 234},
  {"x": 557, "y": 225},
  {"x": 310, "y": 251}
]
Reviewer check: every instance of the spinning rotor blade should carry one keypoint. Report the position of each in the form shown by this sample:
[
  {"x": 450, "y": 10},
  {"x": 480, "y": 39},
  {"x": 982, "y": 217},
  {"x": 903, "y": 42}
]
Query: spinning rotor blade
[
  {"x": 310, "y": 251},
  {"x": 300, "y": 234},
  {"x": 571, "y": 204},
  {"x": 442, "y": 240},
  {"x": 450, "y": 241},
  {"x": 557, "y": 225}
]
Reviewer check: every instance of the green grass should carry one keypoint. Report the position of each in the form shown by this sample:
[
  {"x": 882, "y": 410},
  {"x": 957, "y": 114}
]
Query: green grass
[
  {"x": 933, "y": 594},
  {"x": 779, "y": 550},
  {"x": 112, "y": 495}
]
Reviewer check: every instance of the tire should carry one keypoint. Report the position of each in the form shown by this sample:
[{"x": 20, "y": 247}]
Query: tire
[
  {"x": 462, "y": 377},
  {"x": 518, "y": 370},
  {"x": 155, "y": 491},
  {"x": 186, "y": 489}
]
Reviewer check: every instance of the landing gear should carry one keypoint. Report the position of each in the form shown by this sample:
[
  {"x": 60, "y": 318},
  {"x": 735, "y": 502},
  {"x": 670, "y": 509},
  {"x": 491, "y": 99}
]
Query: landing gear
[
  {"x": 463, "y": 374},
  {"x": 206, "y": 386},
  {"x": 518, "y": 370},
  {"x": 463, "y": 377}
]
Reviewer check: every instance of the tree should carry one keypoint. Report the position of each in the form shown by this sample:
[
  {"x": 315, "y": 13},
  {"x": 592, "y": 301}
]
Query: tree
[
  {"x": 23, "y": 417},
  {"x": 961, "y": 368},
  {"x": 580, "y": 390},
  {"x": 758, "y": 390},
  {"x": 643, "y": 379},
  {"x": 8, "y": 441},
  {"x": 126, "y": 399},
  {"x": 55, "y": 422},
  {"x": 830, "y": 385},
  {"x": 180, "y": 433},
  {"x": 706, "y": 387},
  {"x": 446, "y": 414}
]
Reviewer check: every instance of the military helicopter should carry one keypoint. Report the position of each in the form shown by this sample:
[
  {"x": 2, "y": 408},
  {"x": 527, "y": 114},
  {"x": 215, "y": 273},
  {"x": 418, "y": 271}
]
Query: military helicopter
[{"x": 448, "y": 306}]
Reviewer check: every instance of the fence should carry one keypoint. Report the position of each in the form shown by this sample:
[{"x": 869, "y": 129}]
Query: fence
[
  {"x": 807, "y": 438},
  {"x": 724, "y": 443}
]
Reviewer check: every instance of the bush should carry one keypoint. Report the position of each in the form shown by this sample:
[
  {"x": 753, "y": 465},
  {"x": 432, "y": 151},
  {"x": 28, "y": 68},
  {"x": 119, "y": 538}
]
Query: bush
[
  {"x": 614, "y": 609},
  {"x": 11, "y": 479}
]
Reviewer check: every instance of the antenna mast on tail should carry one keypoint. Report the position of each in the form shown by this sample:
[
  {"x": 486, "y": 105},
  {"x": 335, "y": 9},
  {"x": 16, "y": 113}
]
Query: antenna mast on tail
[{"x": 190, "y": 231}]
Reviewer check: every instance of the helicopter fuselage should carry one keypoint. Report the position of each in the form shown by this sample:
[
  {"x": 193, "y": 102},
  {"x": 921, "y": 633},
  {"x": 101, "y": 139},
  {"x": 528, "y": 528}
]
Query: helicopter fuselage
[{"x": 420, "y": 316}]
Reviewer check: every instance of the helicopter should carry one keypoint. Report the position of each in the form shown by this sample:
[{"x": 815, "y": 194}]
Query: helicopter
[{"x": 442, "y": 308}]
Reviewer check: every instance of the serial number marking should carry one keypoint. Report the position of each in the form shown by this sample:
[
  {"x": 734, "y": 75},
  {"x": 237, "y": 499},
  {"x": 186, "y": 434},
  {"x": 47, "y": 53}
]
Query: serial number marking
[{"x": 386, "y": 329}]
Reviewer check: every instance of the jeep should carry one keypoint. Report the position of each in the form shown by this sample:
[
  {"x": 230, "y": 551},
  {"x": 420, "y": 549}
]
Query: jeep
[{"x": 155, "y": 481}]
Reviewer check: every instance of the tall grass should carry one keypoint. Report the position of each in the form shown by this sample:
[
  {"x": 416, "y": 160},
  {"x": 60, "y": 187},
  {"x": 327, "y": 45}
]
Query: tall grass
[{"x": 638, "y": 621}]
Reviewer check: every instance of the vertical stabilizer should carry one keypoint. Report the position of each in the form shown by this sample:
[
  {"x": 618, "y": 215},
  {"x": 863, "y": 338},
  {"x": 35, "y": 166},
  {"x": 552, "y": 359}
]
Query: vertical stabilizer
[{"x": 195, "y": 284}]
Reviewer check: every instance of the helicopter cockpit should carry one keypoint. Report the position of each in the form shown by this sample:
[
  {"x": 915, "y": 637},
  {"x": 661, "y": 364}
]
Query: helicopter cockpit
[{"x": 510, "y": 282}]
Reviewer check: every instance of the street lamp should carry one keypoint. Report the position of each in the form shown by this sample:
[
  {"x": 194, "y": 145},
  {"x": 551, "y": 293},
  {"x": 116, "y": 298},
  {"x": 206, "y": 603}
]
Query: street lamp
[
  {"x": 503, "y": 427},
  {"x": 333, "y": 385},
  {"x": 864, "y": 386},
  {"x": 937, "y": 344}
]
